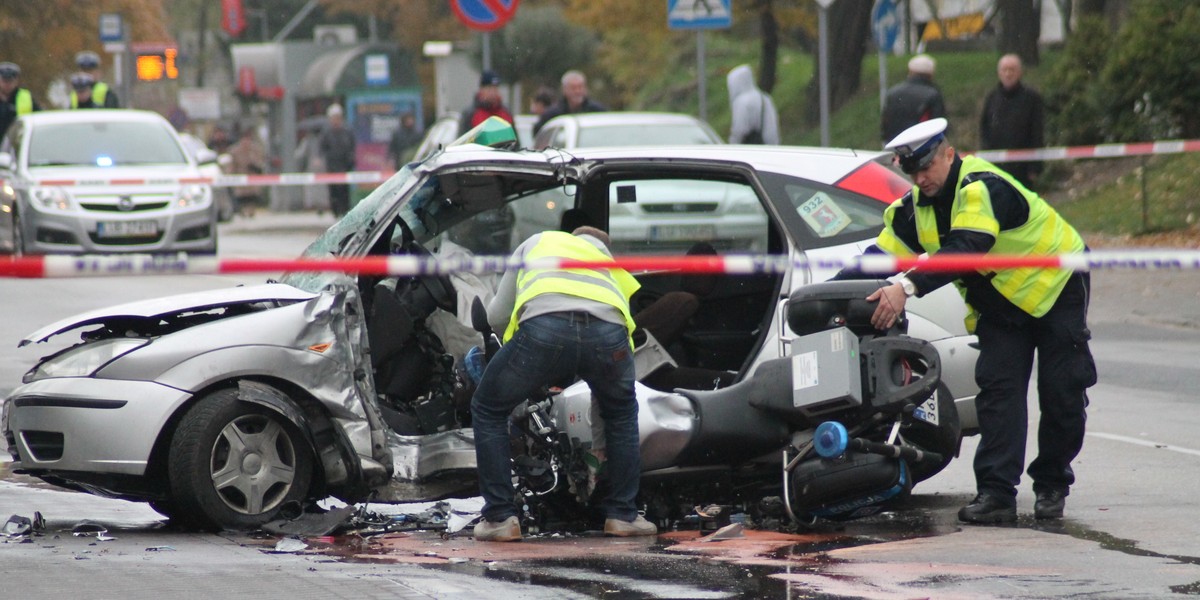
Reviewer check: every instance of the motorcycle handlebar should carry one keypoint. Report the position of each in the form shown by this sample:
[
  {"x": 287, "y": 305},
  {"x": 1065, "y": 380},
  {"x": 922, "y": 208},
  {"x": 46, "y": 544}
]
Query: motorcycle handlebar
[{"x": 907, "y": 453}]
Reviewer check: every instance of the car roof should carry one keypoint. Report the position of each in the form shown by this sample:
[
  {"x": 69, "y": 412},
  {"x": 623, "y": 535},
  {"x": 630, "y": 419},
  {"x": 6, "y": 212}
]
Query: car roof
[
  {"x": 600, "y": 119},
  {"x": 92, "y": 115},
  {"x": 826, "y": 165}
]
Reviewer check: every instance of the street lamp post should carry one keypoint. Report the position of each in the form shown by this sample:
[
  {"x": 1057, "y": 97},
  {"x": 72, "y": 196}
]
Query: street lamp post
[{"x": 823, "y": 65}]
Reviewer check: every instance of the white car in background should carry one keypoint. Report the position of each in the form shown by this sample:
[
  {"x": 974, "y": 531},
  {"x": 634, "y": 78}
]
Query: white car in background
[{"x": 101, "y": 181}]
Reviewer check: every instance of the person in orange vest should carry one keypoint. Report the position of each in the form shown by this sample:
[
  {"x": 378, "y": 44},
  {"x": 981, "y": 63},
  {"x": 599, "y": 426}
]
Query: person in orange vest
[
  {"x": 101, "y": 95},
  {"x": 14, "y": 99}
]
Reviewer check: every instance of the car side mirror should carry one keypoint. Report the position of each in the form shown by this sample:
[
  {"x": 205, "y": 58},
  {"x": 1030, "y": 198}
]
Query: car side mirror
[
  {"x": 479, "y": 318},
  {"x": 205, "y": 156}
]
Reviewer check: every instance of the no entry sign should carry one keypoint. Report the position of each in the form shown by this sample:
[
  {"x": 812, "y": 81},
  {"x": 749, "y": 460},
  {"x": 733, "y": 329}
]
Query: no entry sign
[{"x": 484, "y": 15}]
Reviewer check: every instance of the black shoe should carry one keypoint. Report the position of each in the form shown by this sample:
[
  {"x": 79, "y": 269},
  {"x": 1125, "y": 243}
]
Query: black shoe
[
  {"x": 986, "y": 508},
  {"x": 1049, "y": 504}
]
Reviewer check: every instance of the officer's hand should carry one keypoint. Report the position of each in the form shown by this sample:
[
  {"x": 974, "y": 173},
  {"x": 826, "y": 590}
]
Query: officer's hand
[{"x": 891, "y": 303}]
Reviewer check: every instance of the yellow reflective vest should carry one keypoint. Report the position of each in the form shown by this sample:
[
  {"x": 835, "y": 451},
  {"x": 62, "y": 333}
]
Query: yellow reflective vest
[
  {"x": 99, "y": 93},
  {"x": 1045, "y": 233},
  {"x": 24, "y": 102},
  {"x": 608, "y": 286}
]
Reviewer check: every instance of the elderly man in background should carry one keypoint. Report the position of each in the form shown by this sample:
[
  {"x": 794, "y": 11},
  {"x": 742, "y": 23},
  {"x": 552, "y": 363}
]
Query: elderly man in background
[
  {"x": 1013, "y": 117},
  {"x": 574, "y": 100},
  {"x": 338, "y": 149},
  {"x": 913, "y": 100}
]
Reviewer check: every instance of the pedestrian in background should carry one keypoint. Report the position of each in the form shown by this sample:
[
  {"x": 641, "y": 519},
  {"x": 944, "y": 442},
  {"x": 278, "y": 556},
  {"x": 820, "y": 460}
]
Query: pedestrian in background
[
  {"x": 487, "y": 103},
  {"x": 542, "y": 99},
  {"x": 248, "y": 156},
  {"x": 560, "y": 324},
  {"x": 403, "y": 138},
  {"x": 968, "y": 205},
  {"x": 82, "y": 86},
  {"x": 754, "y": 118},
  {"x": 574, "y": 100},
  {"x": 14, "y": 99},
  {"x": 338, "y": 149},
  {"x": 100, "y": 94},
  {"x": 1013, "y": 118},
  {"x": 913, "y": 100}
]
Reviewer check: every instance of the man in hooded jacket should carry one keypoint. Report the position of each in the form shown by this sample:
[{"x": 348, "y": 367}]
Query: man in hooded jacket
[{"x": 754, "y": 118}]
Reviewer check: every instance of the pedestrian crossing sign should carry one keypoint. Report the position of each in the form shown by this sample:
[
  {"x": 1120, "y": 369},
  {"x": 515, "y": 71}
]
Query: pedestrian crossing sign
[{"x": 699, "y": 14}]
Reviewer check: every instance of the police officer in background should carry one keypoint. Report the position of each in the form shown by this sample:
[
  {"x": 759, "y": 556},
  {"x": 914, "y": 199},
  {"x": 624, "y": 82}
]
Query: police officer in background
[
  {"x": 101, "y": 95},
  {"x": 82, "y": 87},
  {"x": 14, "y": 99},
  {"x": 968, "y": 205}
]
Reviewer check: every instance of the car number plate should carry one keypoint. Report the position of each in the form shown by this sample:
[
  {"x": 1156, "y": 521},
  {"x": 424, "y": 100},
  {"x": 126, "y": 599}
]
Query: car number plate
[
  {"x": 682, "y": 232},
  {"x": 928, "y": 410},
  {"x": 115, "y": 229}
]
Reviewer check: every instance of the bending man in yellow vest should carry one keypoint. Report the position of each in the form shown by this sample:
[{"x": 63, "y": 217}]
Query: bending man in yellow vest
[
  {"x": 560, "y": 324},
  {"x": 968, "y": 205}
]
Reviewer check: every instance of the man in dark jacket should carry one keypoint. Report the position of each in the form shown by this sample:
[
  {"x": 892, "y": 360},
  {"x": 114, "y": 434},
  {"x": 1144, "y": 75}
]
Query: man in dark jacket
[
  {"x": 1013, "y": 117},
  {"x": 337, "y": 147},
  {"x": 913, "y": 100},
  {"x": 14, "y": 99},
  {"x": 574, "y": 100}
]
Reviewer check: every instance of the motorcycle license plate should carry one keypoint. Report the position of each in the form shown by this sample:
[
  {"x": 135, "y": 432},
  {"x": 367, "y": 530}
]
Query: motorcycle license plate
[
  {"x": 126, "y": 229},
  {"x": 928, "y": 410}
]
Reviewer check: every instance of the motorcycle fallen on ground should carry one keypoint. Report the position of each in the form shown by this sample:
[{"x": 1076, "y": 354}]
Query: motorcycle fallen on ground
[{"x": 849, "y": 421}]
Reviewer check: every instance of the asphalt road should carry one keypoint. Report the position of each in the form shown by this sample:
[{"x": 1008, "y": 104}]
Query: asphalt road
[{"x": 1130, "y": 530}]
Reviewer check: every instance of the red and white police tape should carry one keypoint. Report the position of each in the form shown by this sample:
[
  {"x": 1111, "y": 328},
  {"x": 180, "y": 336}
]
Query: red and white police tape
[
  {"x": 114, "y": 265},
  {"x": 281, "y": 179}
]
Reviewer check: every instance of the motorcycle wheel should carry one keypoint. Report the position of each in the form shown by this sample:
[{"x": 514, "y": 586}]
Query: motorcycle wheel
[
  {"x": 943, "y": 438},
  {"x": 234, "y": 464}
]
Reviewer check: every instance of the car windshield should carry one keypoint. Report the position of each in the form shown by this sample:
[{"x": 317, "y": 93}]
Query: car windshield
[
  {"x": 644, "y": 134},
  {"x": 103, "y": 144}
]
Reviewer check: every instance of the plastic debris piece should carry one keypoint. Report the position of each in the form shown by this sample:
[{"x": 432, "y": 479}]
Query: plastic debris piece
[
  {"x": 289, "y": 545},
  {"x": 728, "y": 532},
  {"x": 88, "y": 528},
  {"x": 160, "y": 549},
  {"x": 18, "y": 526}
]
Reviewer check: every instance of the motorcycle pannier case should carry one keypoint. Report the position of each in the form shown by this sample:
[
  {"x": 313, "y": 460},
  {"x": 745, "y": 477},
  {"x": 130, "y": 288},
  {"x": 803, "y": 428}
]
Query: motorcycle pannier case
[{"x": 851, "y": 486}]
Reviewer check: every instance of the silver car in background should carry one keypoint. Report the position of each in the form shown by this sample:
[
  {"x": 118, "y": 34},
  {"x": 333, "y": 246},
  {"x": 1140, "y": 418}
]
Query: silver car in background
[{"x": 100, "y": 181}]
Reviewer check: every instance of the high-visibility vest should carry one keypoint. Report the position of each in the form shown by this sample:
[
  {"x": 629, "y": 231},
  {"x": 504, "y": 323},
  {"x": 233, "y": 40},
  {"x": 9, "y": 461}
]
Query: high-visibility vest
[
  {"x": 1045, "y": 233},
  {"x": 608, "y": 286},
  {"x": 99, "y": 93},
  {"x": 24, "y": 102}
]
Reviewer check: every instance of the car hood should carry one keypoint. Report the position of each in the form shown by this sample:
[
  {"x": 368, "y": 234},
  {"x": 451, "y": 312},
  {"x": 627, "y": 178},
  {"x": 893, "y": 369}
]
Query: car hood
[{"x": 168, "y": 305}]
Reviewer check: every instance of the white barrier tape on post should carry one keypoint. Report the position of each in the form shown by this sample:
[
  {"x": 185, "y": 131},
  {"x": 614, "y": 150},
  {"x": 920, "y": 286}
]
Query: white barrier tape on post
[{"x": 108, "y": 265}]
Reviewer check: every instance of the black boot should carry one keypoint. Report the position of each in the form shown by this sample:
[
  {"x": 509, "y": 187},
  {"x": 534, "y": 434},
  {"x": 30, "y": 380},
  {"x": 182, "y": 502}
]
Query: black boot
[
  {"x": 1049, "y": 504},
  {"x": 986, "y": 508}
]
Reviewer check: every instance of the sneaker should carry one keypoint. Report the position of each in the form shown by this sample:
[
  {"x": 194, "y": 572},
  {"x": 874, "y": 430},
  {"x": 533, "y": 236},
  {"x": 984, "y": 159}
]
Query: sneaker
[
  {"x": 1049, "y": 504},
  {"x": 508, "y": 530},
  {"x": 986, "y": 508},
  {"x": 637, "y": 527}
]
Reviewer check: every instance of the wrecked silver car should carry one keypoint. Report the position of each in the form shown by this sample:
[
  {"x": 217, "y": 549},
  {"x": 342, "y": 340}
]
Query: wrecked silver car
[{"x": 219, "y": 408}]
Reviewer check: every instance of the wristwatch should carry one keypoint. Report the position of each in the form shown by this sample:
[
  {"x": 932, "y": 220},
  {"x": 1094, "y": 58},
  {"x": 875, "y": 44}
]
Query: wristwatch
[{"x": 910, "y": 289}]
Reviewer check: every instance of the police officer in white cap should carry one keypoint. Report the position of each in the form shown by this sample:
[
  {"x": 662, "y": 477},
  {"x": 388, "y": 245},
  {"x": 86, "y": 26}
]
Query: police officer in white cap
[
  {"x": 14, "y": 99},
  {"x": 968, "y": 205},
  {"x": 101, "y": 95}
]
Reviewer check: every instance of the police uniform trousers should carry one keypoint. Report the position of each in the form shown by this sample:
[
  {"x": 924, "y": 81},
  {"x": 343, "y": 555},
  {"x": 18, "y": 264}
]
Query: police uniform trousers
[{"x": 1066, "y": 369}]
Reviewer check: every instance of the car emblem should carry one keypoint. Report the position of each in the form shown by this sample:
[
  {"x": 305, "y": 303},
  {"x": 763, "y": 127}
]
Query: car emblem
[{"x": 125, "y": 203}]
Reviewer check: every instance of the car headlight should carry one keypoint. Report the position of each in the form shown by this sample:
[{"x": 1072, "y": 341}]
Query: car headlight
[
  {"x": 194, "y": 195},
  {"x": 82, "y": 361},
  {"x": 51, "y": 197}
]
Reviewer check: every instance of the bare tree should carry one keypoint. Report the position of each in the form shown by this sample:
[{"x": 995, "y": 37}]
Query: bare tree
[{"x": 1020, "y": 28}]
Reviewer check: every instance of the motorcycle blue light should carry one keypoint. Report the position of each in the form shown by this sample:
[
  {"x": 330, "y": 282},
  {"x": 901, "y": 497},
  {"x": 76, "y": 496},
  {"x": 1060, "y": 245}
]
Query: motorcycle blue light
[{"x": 830, "y": 439}]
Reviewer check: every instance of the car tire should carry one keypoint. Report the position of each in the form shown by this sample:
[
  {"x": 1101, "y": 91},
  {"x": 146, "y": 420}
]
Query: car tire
[
  {"x": 944, "y": 438},
  {"x": 234, "y": 464}
]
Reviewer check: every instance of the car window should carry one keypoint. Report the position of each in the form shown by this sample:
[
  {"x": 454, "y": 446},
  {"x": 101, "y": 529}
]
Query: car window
[
  {"x": 670, "y": 216},
  {"x": 821, "y": 216},
  {"x": 103, "y": 144},
  {"x": 643, "y": 135}
]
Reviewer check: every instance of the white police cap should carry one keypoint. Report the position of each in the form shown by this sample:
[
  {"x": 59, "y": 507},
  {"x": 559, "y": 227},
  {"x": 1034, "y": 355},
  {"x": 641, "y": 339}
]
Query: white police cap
[{"x": 915, "y": 145}]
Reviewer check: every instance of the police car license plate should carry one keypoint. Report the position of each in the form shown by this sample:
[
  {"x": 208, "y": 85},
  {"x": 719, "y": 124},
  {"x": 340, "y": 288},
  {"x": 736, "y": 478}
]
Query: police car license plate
[
  {"x": 660, "y": 233},
  {"x": 928, "y": 410},
  {"x": 125, "y": 229}
]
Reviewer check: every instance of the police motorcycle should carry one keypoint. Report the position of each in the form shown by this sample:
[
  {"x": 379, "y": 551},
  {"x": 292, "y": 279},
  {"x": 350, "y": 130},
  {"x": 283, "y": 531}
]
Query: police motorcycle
[{"x": 849, "y": 421}]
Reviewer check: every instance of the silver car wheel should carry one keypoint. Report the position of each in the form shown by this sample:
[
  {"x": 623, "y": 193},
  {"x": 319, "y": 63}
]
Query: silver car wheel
[{"x": 253, "y": 464}]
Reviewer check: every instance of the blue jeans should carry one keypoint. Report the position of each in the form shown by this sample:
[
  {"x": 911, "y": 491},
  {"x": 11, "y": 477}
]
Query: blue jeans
[{"x": 553, "y": 350}]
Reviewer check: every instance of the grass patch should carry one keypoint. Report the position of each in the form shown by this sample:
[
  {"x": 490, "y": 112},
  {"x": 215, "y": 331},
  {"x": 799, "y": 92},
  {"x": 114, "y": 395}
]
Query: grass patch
[{"x": 1116, "y": 205}]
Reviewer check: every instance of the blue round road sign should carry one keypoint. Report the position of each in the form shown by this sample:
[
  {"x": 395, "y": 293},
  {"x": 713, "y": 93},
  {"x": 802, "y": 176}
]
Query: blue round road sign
[{"x": 484, "y": 15}]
